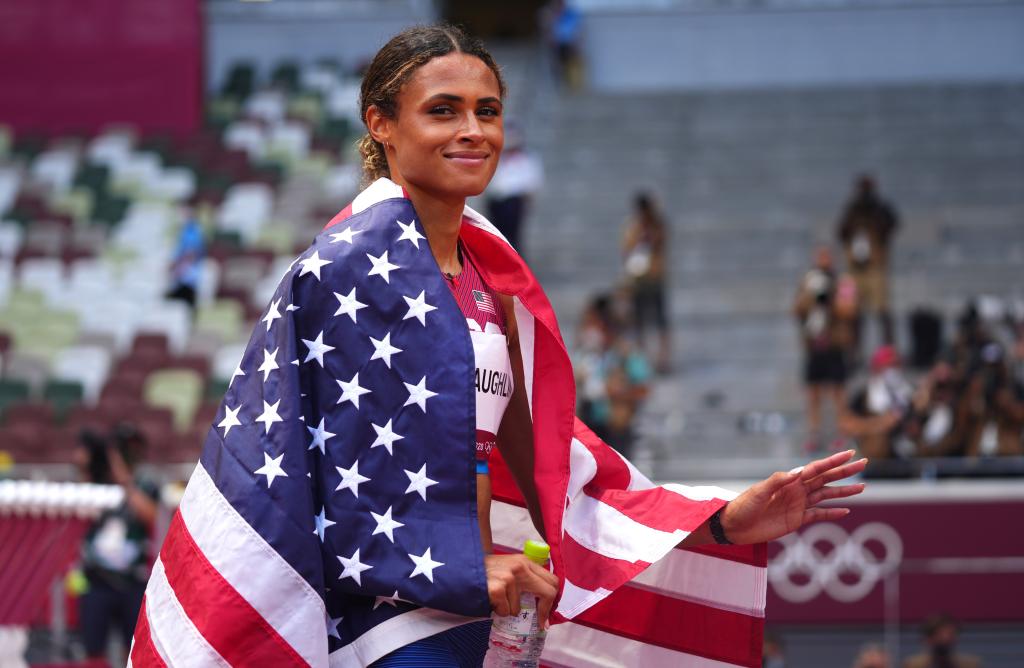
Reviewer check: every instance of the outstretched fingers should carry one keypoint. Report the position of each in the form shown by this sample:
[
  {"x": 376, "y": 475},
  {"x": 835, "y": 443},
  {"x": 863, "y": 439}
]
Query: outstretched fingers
[
  {"x": 838, "y": 473},
  {"x": 828, "y": 493},
  {"x": 824, "y": 514},
  {"x": 820, "y": 466}
]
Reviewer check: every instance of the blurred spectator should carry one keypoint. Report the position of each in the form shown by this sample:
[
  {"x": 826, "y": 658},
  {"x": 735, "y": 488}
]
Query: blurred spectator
[
  {"x": 188, "y": 261},
  {"x": 877, "y": 411},
  {"x": 940, "y": 635},
  {"x": 518, "y": 176},
  {"x": 935, "y": 428},
  {"x": 612, "y": 379},
  {"x": 115, "y": 559},
  {"x": 643, "y": 250},
  {"x": 825, "y": 308},
  {"x": 865, "y": 230},
  {"x": 872, "y": 656},
  {"x": 993, "y": 412},
  {"x": 561, "y": 21},
  {"x": 773, "y": 654}
]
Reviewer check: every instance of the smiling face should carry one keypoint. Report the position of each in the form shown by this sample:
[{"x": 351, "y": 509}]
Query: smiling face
[{"x": 447, "y": 135}]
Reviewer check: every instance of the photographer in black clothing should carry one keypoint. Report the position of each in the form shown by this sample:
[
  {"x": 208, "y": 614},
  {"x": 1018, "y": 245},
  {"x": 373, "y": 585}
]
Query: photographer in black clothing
[{"x": 115, "y": 549}]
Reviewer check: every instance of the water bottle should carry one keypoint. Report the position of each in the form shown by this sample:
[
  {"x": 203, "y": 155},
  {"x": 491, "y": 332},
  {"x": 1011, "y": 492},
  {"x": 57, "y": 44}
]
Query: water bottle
[{"x": 517, "y": 640}]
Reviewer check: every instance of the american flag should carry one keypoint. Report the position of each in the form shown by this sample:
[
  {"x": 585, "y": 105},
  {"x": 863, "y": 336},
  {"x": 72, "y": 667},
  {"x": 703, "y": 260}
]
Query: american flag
[
  {"x": 484, "y": 301},
  {"x": 332, "y": 516}
]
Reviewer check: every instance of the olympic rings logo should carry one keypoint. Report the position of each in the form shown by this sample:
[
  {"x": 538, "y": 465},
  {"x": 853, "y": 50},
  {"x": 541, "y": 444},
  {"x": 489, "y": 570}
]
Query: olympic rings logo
[{"x": 847, "y": 572}]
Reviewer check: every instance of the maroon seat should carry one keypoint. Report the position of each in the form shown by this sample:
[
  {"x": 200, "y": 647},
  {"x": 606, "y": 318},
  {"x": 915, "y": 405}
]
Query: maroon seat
[
  {"x": 150, "y": 345},
  {"x": 82, "y": 418},
  {"x": 124, "y": 385},
  {"x": 30, "y": 413}
]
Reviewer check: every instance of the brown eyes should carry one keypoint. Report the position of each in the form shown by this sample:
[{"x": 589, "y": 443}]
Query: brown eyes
[{"x": 448, "y": 110}]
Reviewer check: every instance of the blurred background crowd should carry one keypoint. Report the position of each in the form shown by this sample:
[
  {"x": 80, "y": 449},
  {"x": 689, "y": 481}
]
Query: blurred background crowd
[{"x": 755, "y": 254}]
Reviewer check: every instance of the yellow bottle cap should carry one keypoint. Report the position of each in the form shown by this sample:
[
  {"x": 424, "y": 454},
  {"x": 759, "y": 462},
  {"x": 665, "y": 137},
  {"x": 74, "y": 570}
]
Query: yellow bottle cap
[{"x": 537, "y": 551}]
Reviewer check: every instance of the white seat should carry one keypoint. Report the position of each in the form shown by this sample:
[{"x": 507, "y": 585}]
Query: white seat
[
  {"x": 246, "y": 210},
  {"x": 320, "y": 77},
  {"x": 171, "y": 318},
  {"x": 209, "y": 281},
  {"x": 226, "y": 360},
  {"x": 88, "y": 365},
  {"x": 11, "y": 237},
  {"x": 174, "y": 184},
  {"x": 247, "y": 136},
  {"x": 110, "y": 148},
  {"x": 137, "y": 169},
  {"x": 113, "y": 316},
  {"x": 341, "y": 182},
  {"x": 291, "y": 139},
  {"x": 45, "y": 274},
  {"x": 55, "y": 169},
  {"x": 343, "y": 101},
  {"x": 268, "y": 105}
]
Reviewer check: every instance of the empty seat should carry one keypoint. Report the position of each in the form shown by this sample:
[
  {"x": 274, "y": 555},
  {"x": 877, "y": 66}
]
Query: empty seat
[
  {"x": 11, "y": 239},
  {"x": 27, "y": 369},
  {"x": 179, "y": 390},
  {"x": 30, "y": 413},
  {"x": 84, "y": 364},
  {"x": 150, "y": 343},
  {"x": 170, "y": 318},
  {"x": 63, "y": 395},
  {"x": 223, "y": 318},
  {"x": 12, "y": 391}
]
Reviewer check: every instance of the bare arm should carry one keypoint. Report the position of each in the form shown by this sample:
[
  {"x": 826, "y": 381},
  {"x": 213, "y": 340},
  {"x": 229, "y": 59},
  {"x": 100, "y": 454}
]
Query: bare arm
[{"x": 515, "y": 436}]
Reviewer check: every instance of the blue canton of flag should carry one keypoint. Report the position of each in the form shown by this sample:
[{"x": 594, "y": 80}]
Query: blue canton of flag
[{"x": 347, "y": 436}]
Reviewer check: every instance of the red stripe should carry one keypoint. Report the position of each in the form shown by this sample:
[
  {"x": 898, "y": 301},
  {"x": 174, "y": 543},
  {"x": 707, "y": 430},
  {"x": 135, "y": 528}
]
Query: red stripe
[
  {"x": 753, "y": 555},
  {"x": 657, "y": 508},
  {"x": 224, "y": 618},
  {"x": 144, "y": 654},
  {"x": 591, "y": 570},
  {"x": 612, "y": 472},
  {"x": 341, "y": 215},
  {"x": 679, "y": 625}
]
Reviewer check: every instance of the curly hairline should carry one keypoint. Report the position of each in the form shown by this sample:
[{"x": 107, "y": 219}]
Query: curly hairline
[{"x": 405, "y": 53}]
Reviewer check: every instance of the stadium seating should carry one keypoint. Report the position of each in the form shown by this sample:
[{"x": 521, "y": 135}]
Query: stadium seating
[{"x": 87, "y": 234}]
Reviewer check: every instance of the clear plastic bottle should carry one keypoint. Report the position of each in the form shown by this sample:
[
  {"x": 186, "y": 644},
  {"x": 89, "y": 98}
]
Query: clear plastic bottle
[{"x": 517, "y": 641}]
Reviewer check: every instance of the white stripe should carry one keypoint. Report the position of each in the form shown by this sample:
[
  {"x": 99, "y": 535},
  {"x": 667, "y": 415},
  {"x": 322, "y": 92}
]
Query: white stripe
[
  {"x": 378, "y": 191},
  {"x": 576, "y": 600},
  {"x": 701, "y": 492},
  {"x": 525, "y": 324},
  {"x": 130, "y": 657},
  {"x": 582, "y": 468},
  {"x": 254, "y": 569},
  {"x": 394, "y": 633},
  {"x": 583, "y": 647},
  {"x": 177, "y": 640},
  {"x": 700, "y": 578},
  {"x": 603, "y": 529}
]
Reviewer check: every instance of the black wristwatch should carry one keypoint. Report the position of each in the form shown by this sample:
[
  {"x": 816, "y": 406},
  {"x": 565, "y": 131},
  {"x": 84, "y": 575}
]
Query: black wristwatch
[{"x": 717, "y": 532}]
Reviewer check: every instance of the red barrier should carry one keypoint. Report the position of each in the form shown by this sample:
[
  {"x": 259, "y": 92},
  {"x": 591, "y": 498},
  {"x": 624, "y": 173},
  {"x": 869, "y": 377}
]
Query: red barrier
[
  {"x": 907, "y": 550},
  {"x": 69, "y": 66}
]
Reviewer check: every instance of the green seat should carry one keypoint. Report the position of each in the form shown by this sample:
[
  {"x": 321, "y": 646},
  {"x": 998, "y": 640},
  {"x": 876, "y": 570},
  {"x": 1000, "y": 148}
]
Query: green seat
[
  {"x": 94, "y": 177},
  {"x": 224, "y": 317},
  {"x": 178, "y": 390},
  {"x": 240, "y": 81},
  {"x": 63, "y": 395},
  {"x": 286, "y": 75},
  {"x": 216, "y": 388},
  {"x": 110, "y": 209},
  {"x": 12, "y": 392}
]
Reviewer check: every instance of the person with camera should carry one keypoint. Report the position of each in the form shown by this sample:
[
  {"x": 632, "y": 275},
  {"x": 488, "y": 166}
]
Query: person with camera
[
  {"x": 115, "y": 551},
  {"x": 879, "y": 411},
  {"x": 825, "y": 309}
]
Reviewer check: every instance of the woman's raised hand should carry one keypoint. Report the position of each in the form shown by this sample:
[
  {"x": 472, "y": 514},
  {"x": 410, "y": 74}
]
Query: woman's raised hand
[
  {"x": 508, "y": 575},
  {"x": 784, "y": 502}
]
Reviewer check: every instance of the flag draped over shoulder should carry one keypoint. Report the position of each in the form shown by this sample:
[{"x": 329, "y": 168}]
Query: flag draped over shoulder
[{"x": 332, "y": 516}]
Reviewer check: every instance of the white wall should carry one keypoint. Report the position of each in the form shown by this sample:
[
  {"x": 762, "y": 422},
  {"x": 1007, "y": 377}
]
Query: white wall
[
  {"x": 266, "y": 33},
  {"x": 679, "y": 48}
]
